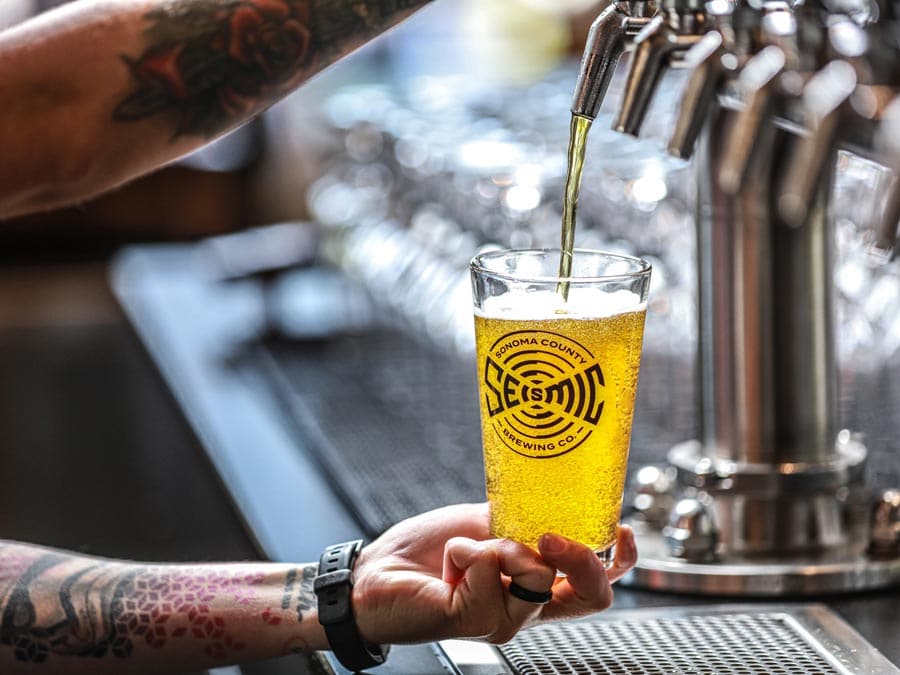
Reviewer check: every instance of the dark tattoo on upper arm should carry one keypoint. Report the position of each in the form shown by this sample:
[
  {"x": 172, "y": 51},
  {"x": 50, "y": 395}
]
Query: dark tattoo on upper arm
[{"x": 211, "y": 63}]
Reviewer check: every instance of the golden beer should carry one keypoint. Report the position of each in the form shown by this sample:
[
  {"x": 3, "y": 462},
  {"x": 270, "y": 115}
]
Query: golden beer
[{"x": 557, "y": 400}]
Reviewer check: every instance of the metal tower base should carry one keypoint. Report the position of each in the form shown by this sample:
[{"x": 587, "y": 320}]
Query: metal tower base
[{"x": 765, "y": 578}]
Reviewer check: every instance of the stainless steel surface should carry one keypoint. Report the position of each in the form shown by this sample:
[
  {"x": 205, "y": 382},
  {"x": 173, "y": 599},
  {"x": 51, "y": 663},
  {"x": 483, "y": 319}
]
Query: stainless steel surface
[
  {"x": 736, "y": 36},
  {"x": 768, "y": 370},
  {"x": 847, "y": 91},
  {"x": 654, "y": 495},
  {"x": 785, "y": 490},
  {"x": 779, "y": 508},
  {"x": 735, "y": 639},
  {"x": 692, "y": 533},
  {"x": 759, "y": 577}
]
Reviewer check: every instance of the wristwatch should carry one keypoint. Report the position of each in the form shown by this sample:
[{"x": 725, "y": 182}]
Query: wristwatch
[{"x": 334, "y": 589}]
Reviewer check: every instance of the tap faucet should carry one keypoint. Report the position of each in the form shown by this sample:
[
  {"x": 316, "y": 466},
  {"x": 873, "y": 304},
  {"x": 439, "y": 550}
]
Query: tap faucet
[
  {"x": 826, "y": 104},
  {"x": 889, "y": 137},
  {"x": 771, "y": 81},
  {"x": 759, "y": 82},
  {"x": 711, "y": 65},
  {"x": 775, "y": 90},
  {"x": 716, "y": 58},
  {"x": 847, "y": 93},
  {"x": 678, "y": 26},
  {"x": 610, "y": 35}
]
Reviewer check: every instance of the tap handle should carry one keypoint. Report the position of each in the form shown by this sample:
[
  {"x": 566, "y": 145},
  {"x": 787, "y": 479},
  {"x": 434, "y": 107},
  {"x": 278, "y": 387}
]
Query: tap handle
[
  {"x": 607, "y": 40},
  {"x": 711, "y": 63},
  {"x": 886, "y": 236},
  {"x": 653, "y": 48},
  {"x": 889, "y": 138},
  {"x": 825, "y": 105},
  {"x": 758, "y": 83}
]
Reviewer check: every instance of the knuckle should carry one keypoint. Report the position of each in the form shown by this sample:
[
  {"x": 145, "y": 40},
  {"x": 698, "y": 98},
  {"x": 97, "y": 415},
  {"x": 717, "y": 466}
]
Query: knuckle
[
  {"x": 605, "y": 600},
  {"x": 502, "y": 635},
  {"x": 587, "y": 557},
  {"x": 543, "y": 579}
]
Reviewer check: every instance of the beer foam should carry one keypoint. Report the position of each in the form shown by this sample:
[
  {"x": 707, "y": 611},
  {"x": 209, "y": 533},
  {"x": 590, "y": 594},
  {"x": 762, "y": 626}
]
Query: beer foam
[{"x": 583, "y": 303}]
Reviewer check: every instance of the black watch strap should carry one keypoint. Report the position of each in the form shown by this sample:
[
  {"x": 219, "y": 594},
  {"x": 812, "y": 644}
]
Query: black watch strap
[{"x": 334, "y": 589}]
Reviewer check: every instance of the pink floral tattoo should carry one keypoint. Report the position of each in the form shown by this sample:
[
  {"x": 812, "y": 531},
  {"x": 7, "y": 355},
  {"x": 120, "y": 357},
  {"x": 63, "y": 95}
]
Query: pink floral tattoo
[{"x": 48, "y": 606}]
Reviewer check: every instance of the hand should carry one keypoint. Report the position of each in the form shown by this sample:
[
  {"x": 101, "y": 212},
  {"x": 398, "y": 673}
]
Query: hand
[{"x": 439, "y": 575}]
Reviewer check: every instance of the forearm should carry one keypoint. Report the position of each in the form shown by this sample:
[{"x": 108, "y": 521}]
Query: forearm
[
  {"x": 66, "y": 613},
  {"x": 96, "y": 93}
]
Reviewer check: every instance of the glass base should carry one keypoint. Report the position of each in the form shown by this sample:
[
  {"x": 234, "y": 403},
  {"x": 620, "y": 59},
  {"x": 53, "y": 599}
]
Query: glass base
[{"x": 607, "y": 556}]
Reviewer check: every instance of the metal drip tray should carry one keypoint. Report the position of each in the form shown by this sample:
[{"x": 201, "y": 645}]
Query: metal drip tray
[{"x": 717, "y": 640}]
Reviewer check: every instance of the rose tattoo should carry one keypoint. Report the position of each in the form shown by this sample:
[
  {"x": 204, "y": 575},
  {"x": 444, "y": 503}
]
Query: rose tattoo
[{"x": 212, "y": 61}]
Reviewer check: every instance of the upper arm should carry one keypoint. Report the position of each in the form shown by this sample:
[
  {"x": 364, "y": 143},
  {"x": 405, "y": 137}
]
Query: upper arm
[
  {"x": 101, "y": 91},
  {"x": 61, "y": 77}
]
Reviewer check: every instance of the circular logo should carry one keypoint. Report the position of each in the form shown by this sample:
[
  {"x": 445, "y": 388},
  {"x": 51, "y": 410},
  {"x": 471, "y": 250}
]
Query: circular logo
[{"x": 543, "y": 392}]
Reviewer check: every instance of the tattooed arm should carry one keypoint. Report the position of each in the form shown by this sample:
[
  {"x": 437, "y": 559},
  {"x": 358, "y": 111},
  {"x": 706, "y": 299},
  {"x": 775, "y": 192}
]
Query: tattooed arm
[
  {"x": 435, "y": 576},
  {"x": 98, "y": 92},
  {"x": 64, "y": 613}
]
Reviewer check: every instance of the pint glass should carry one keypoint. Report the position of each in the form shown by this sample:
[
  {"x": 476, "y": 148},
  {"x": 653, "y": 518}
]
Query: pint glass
[{"x": 557, "y": 369}]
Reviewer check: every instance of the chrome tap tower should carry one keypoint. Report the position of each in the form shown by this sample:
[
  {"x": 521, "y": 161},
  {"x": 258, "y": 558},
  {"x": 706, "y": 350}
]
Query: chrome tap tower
[{"x": 771, "y": 499}]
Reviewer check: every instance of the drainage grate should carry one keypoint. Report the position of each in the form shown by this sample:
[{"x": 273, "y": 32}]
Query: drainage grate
[{"x": 736, "y": 644}]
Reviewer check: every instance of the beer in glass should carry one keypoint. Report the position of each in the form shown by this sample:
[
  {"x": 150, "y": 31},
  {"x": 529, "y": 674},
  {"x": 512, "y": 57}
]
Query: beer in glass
[{"x": 557, "y": 378}]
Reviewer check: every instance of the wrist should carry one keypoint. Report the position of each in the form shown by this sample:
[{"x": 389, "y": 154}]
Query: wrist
[
  {"x": 334, "y": 590},
  {"x": 277, "y": 609}
]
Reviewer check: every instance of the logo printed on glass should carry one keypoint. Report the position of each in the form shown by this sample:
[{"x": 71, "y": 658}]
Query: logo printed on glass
[{"x": 543, "y": 392}]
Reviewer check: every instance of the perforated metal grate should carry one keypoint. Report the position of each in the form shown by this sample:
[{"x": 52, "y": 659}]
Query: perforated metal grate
[{"x": 723, "y": 644}]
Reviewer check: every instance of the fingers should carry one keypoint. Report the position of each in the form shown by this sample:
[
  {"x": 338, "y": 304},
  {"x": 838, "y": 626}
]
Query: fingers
[
  {"x": 473, "y": 562},
  {"x": 626, "y": 554},
  {"x": 587, "y": 587},
  {"x": 527, "y": 569},
  {"x": 482, "y": 572},
  {"x": 524, "y": 566}
]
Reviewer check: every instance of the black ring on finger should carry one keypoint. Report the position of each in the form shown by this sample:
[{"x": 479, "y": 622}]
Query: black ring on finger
[{"x": 529, "y": 596}]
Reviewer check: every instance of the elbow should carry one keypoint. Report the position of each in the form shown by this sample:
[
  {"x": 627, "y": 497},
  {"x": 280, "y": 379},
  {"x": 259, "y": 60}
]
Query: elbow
[{"x": 64, "y": 174}]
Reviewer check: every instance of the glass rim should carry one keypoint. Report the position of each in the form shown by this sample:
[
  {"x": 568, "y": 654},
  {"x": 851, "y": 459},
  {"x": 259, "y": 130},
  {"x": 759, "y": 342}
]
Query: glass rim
[{"x": 476, "y": 265}]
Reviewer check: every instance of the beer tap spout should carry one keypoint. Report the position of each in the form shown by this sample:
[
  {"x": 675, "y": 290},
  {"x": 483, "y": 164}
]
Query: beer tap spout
[
  {"x": 609, "y": 37},
  {"x": 711, "y": 65},
  {"x": 846, "y": 94},
  {"x": 825, "y": 103},
  {"x": 715, "y": 59},
  {"x": 889, "y": 135},
  {"x": 886, "y": 236},
  {"x": 759, "y": 83},
  {"x": 679, "y": 26}
]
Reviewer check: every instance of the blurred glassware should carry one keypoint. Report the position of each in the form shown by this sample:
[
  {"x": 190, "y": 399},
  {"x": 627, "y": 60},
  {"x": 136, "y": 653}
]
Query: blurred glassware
[{"x": 432, "y": 172}]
